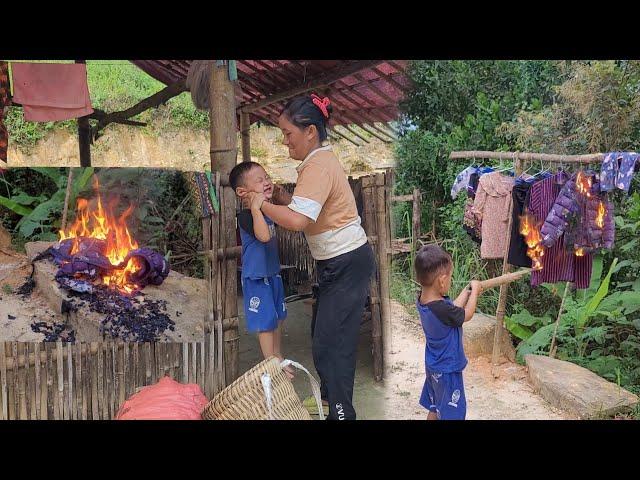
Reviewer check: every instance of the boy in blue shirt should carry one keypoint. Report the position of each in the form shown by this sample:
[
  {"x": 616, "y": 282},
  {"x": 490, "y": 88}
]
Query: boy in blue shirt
[
  {"x": 443, "y": 391},
  {"x": 262, "y": 286}
]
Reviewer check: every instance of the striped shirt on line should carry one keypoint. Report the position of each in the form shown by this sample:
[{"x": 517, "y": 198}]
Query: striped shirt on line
[{"x": 559, "y": 264}]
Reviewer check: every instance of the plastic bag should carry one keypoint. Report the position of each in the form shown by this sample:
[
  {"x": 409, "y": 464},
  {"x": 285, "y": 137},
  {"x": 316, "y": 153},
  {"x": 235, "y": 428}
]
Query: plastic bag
[{"x": 166, "y": 400}]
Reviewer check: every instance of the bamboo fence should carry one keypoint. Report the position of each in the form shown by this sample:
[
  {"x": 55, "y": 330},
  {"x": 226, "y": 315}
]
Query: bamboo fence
[{"x": 90, "y": 381}]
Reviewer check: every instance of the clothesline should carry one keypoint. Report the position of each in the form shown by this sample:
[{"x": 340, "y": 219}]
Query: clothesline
[
  {"x": 527, "y": 156},
  {"x": 484, "y": 222}
]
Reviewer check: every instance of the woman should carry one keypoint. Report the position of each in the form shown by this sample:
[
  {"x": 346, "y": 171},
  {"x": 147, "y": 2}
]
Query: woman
[{"x": 324, "y": 208}]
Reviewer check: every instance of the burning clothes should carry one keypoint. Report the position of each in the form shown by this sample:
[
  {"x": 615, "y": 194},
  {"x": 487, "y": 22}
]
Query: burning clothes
[
  {"x": 581, "y": 213},
  {"x": 89, "y": 263},
  {"x": 557, "y": 264}
]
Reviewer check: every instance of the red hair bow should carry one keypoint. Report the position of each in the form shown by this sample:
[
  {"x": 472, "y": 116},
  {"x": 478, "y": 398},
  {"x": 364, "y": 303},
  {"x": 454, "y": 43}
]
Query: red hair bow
[{"x": 321, "y": 103}]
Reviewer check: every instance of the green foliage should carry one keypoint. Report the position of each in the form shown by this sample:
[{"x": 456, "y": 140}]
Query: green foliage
[
  {"x": 39, "y": 222},
  {"x": 554, "y": 107},
  {"x": 598, "y": 329},
  {"x": 445, "y": 92}
]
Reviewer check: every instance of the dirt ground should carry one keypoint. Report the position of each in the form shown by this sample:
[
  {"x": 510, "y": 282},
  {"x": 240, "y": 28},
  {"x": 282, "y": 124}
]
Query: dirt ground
[
  {"x": 510, "y": 397},
  {"x": 296, "y": 342}
]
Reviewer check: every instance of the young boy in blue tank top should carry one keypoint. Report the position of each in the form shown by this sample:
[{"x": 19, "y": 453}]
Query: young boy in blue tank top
[
  {"x": 443, "y": 392},
  {"x": 262, "y": 287}
]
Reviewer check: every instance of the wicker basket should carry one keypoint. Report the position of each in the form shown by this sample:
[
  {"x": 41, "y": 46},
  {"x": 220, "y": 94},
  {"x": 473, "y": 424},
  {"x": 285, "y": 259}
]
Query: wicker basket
[{"x": 245, "y": 398}]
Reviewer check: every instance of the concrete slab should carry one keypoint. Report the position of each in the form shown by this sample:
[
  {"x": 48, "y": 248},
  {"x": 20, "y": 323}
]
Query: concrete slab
[{"x": 576, "y": 389}]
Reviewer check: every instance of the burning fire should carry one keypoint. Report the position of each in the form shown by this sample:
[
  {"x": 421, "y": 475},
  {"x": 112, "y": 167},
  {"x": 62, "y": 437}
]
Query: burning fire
[
  {"x": 103, "y": 225},
  {"x": 600, "y": 215},
  {"x": 579, "y": 252},
  {"x": 583, "y": 183},
  {"x": 531, "y": 233}
]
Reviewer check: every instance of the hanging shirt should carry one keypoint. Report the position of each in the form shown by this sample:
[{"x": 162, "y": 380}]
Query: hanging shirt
[
  {"x": 517, "y": 246},
  {"x": 462, "y": 180},
  {"x": 51, "y": 91},
  {"x": 558, "y": 263},
  {"x": 323, "y": 194},
  {"x": 582, "y": 214},
  {"x": 470, "y": 222},
  {"x": 4, "y": 102},
  {"x": 617, "y": 171},
  {"x": 491, "y": 208},
  {"x": 259, "y": 259}
]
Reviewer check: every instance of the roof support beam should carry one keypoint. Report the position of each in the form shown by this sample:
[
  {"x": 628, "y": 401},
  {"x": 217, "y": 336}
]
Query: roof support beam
[{"x": 312, "y": 84}]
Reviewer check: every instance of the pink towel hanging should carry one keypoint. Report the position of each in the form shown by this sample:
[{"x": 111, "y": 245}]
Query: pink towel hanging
[{"x": 51, "y": 91}]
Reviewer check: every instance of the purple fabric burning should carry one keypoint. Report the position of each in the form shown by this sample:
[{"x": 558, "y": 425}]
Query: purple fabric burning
[{"x": 91, "y": 262}]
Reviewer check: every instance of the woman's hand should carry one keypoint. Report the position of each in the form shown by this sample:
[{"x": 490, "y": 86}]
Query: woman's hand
[{"x": 255, "y": 200}]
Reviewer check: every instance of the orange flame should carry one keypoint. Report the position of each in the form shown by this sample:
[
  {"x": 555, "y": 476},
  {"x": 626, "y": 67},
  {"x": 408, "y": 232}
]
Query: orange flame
[
  {"x": 579, "y": 252},
  {"x": 103, "y": 225},
  {"x": 531, "y": 233},
  {"x": 600, "y": 216},
  {"x": 583, "y": 183}
]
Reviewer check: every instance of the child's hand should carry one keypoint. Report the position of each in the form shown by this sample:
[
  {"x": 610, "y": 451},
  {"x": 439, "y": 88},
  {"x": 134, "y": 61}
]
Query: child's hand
[
  {"x": 476, "y": 287},
  {"x": 255, "y": 200}
]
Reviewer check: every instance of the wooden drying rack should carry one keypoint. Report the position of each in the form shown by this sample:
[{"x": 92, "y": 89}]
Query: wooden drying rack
[{"x": 518, "y": 159}]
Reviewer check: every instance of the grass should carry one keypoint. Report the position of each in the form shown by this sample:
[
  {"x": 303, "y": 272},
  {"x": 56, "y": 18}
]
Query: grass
[
  {"x": 467, "y": 265},
  {"x": 259, "y": 152},
  {"x": 115, "y": 85}
]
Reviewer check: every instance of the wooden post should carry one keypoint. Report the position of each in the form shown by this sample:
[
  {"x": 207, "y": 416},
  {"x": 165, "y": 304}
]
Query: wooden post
[
  {"x": 374, "y": 291},
  {"x": 84, "y": 137},
  {"x": 502, "y": 299},
  {"x": 246, "y": 136},
  {"x": 383, "y": 260},
  {"x": 415, "y": 227},
  {"x": 223, "y": 152},
  {"x": 552, "y": 352}
]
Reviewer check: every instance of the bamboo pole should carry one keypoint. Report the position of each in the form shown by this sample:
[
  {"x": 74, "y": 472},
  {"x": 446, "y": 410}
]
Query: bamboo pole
[
  {"x": 383, "y": 256},
  {"x": 402, "y": 198},
  {"x": 16, "y": 380},
  {"x": 222, "y": 115},
  {"x": 78, "y": 366},
  {"x": 36, "y": 373},
  {"x": 416, "y": 218},
  {"x": 552, "y": 352},
  {"x": 376, "y": 320},
  {"x": 84, "y": 137},
  {"x": 502, "y": 298},
  {"x": 71, "y": 402},
  {"x": 3, "y": 382},
  {"x": 245, "y": 133},
  {"x": 504, "y": 279},
  {"x": 525, "y": 156},
  {"x": 223, "y": 158},
  {"x": 92, "y": 383}
]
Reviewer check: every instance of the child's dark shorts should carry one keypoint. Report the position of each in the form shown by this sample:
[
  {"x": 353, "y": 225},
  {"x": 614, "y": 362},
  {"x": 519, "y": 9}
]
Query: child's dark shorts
[
  {"x": 443, "y": 393},
  {"x": 264, "y": 305}
]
